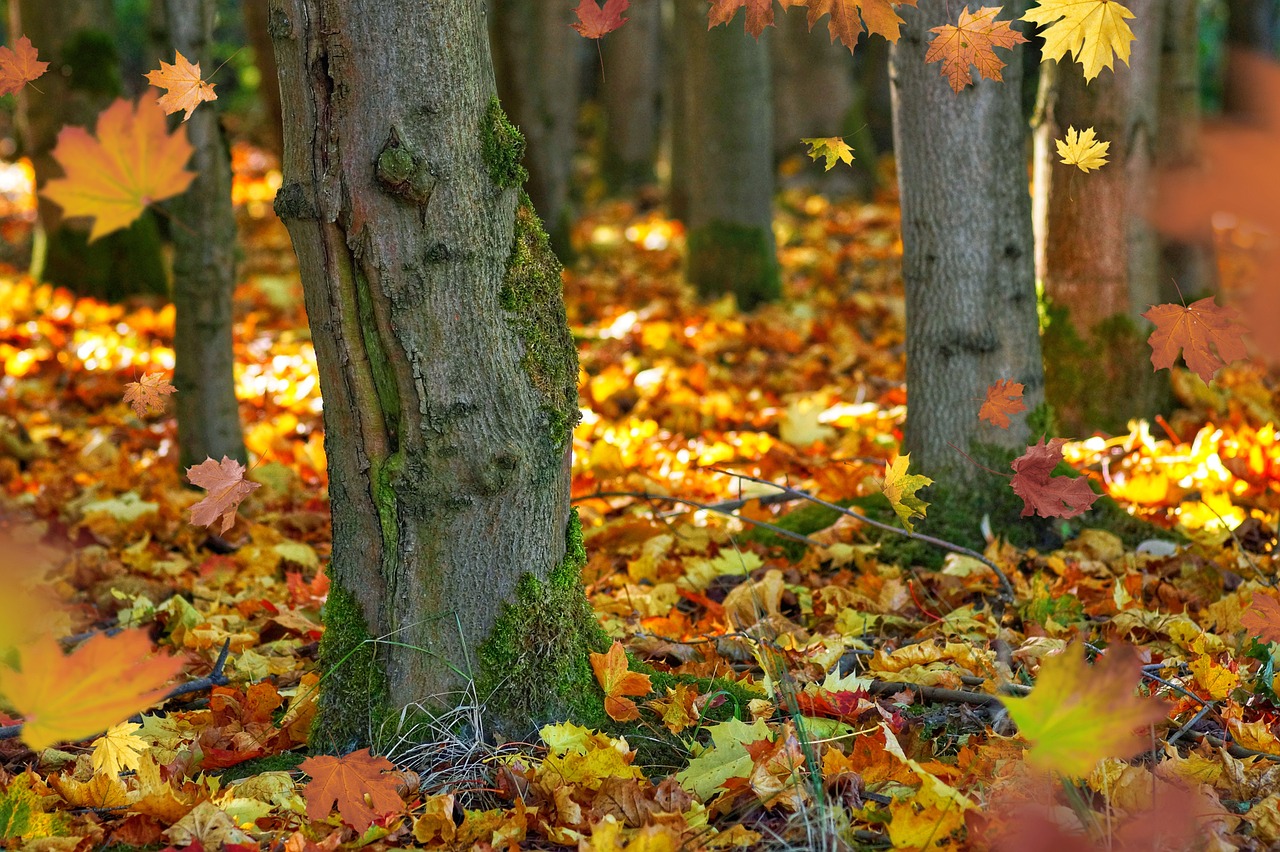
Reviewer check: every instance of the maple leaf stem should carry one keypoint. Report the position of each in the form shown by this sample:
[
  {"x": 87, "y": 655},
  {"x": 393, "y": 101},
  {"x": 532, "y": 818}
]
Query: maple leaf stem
[{"x": 979, "y": 465}]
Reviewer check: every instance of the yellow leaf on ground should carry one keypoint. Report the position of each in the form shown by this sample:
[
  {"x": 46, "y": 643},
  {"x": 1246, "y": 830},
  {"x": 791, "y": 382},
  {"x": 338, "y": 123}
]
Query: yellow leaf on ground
[{"x": 118, "y": 749}]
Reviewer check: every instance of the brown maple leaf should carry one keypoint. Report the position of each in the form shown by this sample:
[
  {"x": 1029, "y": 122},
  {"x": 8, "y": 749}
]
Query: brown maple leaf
[
  {"x": 186, "y": 89},
  {"x": 148, "y": 394},
  {"x": 595, "y": 21},
  {"x": 1046, "y": 495},
  {"x": 345, "y": 781},
  {"x": 18, "y": 66},
  {"x": 1194, "y": 330},
  {"x": 880, "y": 16},
  {"x": 227, "y": 487},
  {"x": 759, "y": 13},
  {"x": 972, "y": 42},
  {"x": 1004, "y": 398},
  {"x": 1262, "y": 617}
]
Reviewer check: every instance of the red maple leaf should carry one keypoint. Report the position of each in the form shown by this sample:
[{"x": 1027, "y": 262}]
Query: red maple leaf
[
  {"x": 1046, "y": 495},
  {"x": 1195, "y": 330},
  {"x": 18, "y": 66},
  {"x": 345, "y": 781},
  {"x": 595, "y": 21},
  {"x": 1003, "y": 399}
]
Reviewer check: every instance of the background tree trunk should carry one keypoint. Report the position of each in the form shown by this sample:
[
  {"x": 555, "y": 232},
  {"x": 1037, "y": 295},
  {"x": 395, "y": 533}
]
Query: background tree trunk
[
  {"x": 534, "y": 54},
  {"x": 204, "y": 269},
  {"x": 729, "y": 169},
  {"x": 967, "y": 252},
  {"x": 76, "y": 37},
  {"x": 255, "y": 27},
  {"x": 448, "y": 371},
  {"x": 676, "y": 126},
  {"x": 630, "y": 88}
]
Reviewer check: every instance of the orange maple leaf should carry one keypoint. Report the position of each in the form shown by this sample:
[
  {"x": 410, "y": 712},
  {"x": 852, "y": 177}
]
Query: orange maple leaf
[
  {"x": 68, "y": 697},
  {"x": 1262, "y": 618},
  {"x": 880, "y": 17},
  {"x": 759, "y": 13},
  {"x": 595, "y": 21},
  {"x": 618, "y": 682},
  {"x": 1194, "y": 330},
  {"x": 186, "y": 89},
  {"x": 1004, "y": 398},
  {"x": 1044, "y": 494},
  {"x": 972, "y": 42},
  {"x": 227, "y": 487},
  {"x": 345, "y": 781},
  {"x": 148, "y": 393},
  {"x": 18, "y": 66},
  {"x": 132, "y": 162}
]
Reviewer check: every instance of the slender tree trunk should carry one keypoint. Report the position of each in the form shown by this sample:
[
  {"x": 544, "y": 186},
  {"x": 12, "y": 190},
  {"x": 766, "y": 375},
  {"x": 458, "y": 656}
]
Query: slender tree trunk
[
  {"x": 255, "y": 27},
  {"x": 725, "y": 84},
  {"x": 76, "y": 37},
  {"x": 534, "y": 50},
  {"x": 677, "y": 124},
  {"x": 448, "y": 371},
  {"x": 630, "y": 93},
  {"x": 204, "y": 268},
  {"x": 967, "y": 251}
]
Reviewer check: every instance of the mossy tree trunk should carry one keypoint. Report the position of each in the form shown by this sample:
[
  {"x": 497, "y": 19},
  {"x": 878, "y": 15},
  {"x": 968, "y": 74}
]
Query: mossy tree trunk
[
  {"x": 447, "y": 368},
  {"x": 76, "y": 38},
  {"x": 629, "y": 89},
  {"x": 967, "y": 252},
  {"x": 728, "y": 159},
  {"x": 204, "y": 266}
]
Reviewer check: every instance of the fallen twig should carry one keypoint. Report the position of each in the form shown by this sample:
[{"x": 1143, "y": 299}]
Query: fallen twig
[{"x": 710, "y": 507}]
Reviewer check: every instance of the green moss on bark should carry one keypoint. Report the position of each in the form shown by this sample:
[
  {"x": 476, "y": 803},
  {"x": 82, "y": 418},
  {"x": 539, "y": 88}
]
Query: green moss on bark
[
  {"x": 503, "y": 146},
  {"x": 354, "y": 698},
  {"x": 725, "y": 257}
]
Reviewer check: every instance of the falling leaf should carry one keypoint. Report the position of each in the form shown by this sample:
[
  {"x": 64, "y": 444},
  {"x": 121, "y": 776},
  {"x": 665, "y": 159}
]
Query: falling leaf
[
  {"x": 901, "y": 487},
  {"x": 618, "y": 682},
  {"x": 132, "y": 162},
  {"x": 880, "y": 17},
  {"x": 1044, "y": 494},
  {"x": 227, "y": 487},
  {"x": 118, "y": 749},
  {"x": 1080, "y": 148},
  {"x": 801, "y": 426},
  {"x": 18, "y": 66},
  {"x": 67, "y": 697},
  {"x": 759, "y": 13},
  {"x": 595, "y": 21},
  {"x": 186, "y": 90},
  {"x": 1078, "y": 714},
  {"x": 1004, "y": 399},
  {"x": 345, "y": 781},
  {"x": 1194, "y": 330},
  {"x": 1262, "y": 618},
  {"x": 972, "y": 42},
  {"x": 148, "y": 394},
  {"x": 1094, "y": 31},
  {"x": 833, "y": 148}
]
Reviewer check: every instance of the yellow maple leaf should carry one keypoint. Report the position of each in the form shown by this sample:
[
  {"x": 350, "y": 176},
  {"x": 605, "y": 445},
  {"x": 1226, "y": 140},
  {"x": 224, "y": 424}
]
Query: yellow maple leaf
[
  {"x": 833, "y": 148},
  {"x": 118, "y": 749},
  {"x": 1080, "y": 148},
  {"x": 67, "y": 697},
  {"x": 901, "y": 487},
  {"x": 618, "y": 682},
  {"x": 186, "y": 90},
  {"x": 132, "y": 162},
  {"x": 1093, "y": 30},
  {"x": 1078, "y": 714}
]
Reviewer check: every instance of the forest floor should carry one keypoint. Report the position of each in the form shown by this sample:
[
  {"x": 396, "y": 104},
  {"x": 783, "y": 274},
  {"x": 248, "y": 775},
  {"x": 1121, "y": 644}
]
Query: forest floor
[{"x": 882, "y": 684}]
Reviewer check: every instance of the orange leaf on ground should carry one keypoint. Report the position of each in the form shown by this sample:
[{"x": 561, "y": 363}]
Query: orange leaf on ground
[
  {"x": 345, "y": 781},
  {"x": 618, "y": 681},
  {"x": 1044, "y": 494},
  {"x": 68, "y": 697},
  {"x": 227, "y": 487},
  {"x": 595, "y": 21},
  {"x": 18, "y": 66},
  {"x": 1194, "y": 330},
  {"x": 186, "y": 90},
  {"x": 1262, "y": 618},
  {"x": 1078, "y": 714},
  {"x": 972, "y": 42},
  {"x": 148, "y": 393},
  {"x": 1004, "y": 398},
  {"x": 132, "y": 162}
]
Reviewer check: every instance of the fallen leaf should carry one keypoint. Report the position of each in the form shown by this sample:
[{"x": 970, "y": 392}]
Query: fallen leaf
[
  {"x": 1044, "y": 494},
  {"x": 1195, "y": 330},
  {"x": 148, "y": 393},
  {"x": 972, "y": 42},
  {"x": 1004, "y": 399},
  {"x": 833, "y": 148},
  {"x": 345, "y": 781},
  {"x": 227, "y": 487},
  {"x": 18, "y": 66},
  {"x": 1079, "y": 148},
  {"x": 118, "y": 749},
  {"x": 618, "y": 681},
  {"x": 901, "y": 487},
  {"x": 1262, "y": 617},
  {"x": 186, "y": 90},
  {"x": 1094, "y": 31},
  {"x": 595, "y": 21}
]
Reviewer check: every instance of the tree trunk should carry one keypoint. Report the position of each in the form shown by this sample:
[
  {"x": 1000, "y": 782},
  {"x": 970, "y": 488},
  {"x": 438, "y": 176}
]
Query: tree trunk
[
  {"x": 729, "y": 167},
  {"x": 204, "y": 269},
  {"x": 630, "y": 87},
  {"x": 448, "y": 372},
  {"x": 534, "y": 50},
  {"x": 76, "y": 38},
  {"x": 677, "y": 124},
  {"x": 967, "y": 252},
  {"x": 255, "y": 27}
]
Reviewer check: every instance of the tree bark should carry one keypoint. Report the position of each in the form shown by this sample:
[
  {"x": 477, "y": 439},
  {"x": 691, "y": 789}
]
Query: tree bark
[
  {"x": 630, "y": 89},
  {"x": 729, "y": 169},
  {"x": 967, "y": 252},
  {"x": 534, "y": 50},
  {"x": 448, "y": 372},
  {"x": 204, "y": 268}
]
